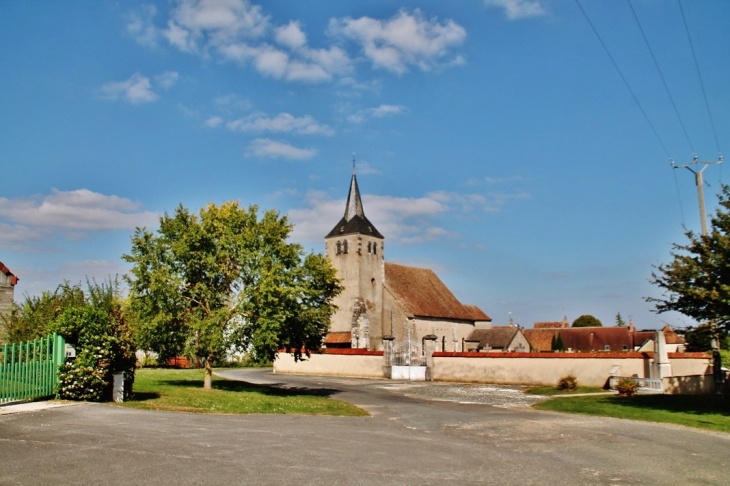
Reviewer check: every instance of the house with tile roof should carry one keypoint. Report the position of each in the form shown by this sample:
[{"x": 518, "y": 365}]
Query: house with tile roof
[
  {"x": 585, "y": 339},
  {"x": 8, "y": 280},
  {"x": 384, "y": 300},
  {"x": 498, "y": 338}
]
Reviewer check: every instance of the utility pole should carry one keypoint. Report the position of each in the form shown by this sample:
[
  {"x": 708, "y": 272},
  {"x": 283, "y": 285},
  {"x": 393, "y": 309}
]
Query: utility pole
[{"x": 700, "y": 183}]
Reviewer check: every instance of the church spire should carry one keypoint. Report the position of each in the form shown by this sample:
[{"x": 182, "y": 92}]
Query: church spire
[
  {"x": 354, "y": 220},
  {"x": 354, "y": 202}
]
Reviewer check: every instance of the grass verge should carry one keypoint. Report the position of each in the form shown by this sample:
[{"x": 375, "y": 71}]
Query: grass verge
[
  {"x": 702, "y": 411},
  {"x": 551, "y": 390},
  {"x": 182, "y": 390}
]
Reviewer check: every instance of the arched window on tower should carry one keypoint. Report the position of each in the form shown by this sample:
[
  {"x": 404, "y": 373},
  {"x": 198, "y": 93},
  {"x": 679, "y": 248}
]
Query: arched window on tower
[
  {"x": 375, "y": 248},
  {"x": 339, "y": 247},
  {"x": 370, "y": 247},
  {"x": 344, "y": 246}
]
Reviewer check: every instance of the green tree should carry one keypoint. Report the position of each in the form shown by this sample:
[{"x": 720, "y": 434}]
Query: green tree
[
  {"x": 619, "y": 320},
  {"x": 30, "y": 319},
  {"x": 557, "y": 343},
  {"x": 696, "y": 282},
  {"x": 227, "y": 279},
  {"x": 587, "y": 320}
]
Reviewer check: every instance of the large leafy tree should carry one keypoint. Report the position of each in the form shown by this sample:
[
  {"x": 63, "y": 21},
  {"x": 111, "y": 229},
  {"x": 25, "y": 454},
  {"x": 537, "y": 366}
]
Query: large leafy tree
[
  {"x": 228, "y": 279},
  {"x": 587, "y": 320},
  {"x": 696, "y": 282}
]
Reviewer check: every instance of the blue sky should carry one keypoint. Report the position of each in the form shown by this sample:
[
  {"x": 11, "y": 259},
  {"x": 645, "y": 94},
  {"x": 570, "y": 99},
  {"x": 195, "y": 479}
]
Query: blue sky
[{"x": 496, "y": 143}]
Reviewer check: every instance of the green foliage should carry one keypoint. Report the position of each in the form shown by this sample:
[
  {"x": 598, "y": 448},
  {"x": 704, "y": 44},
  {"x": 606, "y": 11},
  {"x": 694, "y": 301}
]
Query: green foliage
[
  {"x": 31, "y": 319},
  {"x": 700, "y": 338},
  {"x": 619, "y": 320},
  {"x": 627, "y": 387},
  {"x": 587, "y": 320},
  {"x": 557, "y": 343},
  {"x": 103, "y": 343},
  {"x": 568, "y": 383},
  {"x": 227, "y": 279},
  {"x": 696, "y": 282}
]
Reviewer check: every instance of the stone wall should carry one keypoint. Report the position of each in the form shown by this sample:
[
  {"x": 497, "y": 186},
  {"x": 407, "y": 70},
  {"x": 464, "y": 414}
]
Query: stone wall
[
  {"x": 591, "y": 369},
  {"x": 345, "y": 362}
]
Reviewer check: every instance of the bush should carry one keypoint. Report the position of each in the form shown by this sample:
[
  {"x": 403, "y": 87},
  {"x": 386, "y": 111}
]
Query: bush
[
  {"x": 104, "y": 346},
  {"x": 587, "y": 320},
  {"x": 627, "y": 387},
  {"x": 568, "y": 383}
]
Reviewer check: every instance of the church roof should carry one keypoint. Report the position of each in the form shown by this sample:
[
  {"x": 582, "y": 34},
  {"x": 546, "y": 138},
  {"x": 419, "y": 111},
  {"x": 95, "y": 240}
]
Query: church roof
[
  {"x": 423, "y": 294},
  {"x": 354, "y": 221}
]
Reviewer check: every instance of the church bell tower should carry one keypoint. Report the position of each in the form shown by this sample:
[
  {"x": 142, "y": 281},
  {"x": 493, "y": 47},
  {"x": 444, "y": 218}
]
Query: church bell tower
[{"x": 356, "y": 250}]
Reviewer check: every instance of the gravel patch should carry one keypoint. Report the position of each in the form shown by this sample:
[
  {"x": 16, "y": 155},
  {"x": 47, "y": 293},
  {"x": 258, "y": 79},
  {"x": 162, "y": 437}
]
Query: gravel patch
[{"x": 503, "y": 396}]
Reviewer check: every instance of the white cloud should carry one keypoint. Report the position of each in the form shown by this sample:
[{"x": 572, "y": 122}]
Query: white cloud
[
  {"x": 405, "y": 40},
  {"x": 364, "y": 168},
  {"x": 291, "y": 35},
  {"x": 518, "y": 9},
  {"x": 264, "y": 147},
  {"x": 136, "y": 89},
  {"x": 402, "y": 219},
  {"x": 240, "y": 31},
  {"x": 79, "y": 210},
  {"x": 167, "y": 79},
  {"x": 232, "y": 103},
  {"x": 281, "y": 123},
  {"x": 199, "y": 24},
  {"x": 141, "y": 26},
  {"x": 376, "y": 112},
  {"x": 213, "y": 121},
  {"x": 386, "y": 110}
]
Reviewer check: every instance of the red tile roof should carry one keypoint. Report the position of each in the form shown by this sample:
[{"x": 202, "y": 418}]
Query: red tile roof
[
  {"x": 338, "y": 338},
  {"x": 496, "y": 337},
  {"x": 423, "y": 294},
  {"x": 6, "y": 271},
  {"x": 541, "y": 339}
]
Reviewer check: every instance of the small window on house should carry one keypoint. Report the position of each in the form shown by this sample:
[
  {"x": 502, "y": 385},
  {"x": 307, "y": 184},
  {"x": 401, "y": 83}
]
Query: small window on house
[
  {"x": 625, "y": 348},
  {"x": 339, "y": 247},
  {"x": 372, "y": 282},
  {"x": 344, "y": 246},
  {"x": 342, "y": 229},
  {"x": 607, "y": 348}
]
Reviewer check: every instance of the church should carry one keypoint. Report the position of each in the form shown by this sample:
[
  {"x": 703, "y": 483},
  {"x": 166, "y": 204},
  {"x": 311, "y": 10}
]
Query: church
[{"x": 383, "y": 300}]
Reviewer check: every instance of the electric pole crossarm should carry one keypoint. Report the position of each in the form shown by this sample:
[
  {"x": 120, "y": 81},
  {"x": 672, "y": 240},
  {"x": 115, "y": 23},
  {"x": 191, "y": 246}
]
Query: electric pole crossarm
[{"x": 700, "y": 183}]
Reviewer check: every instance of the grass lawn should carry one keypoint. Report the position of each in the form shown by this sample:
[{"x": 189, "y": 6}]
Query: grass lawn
[
  {"x": 551, "y": 390},
  {"x": 702, "y": 411},
  {"x": 182, "y": 391}
]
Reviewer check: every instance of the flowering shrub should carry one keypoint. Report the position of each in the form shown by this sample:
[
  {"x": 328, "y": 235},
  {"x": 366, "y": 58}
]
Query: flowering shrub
[
  {"x": 627, "y": 387},
  {"x": 568, "y": 383},
  {"x": 104, "y": 346}
]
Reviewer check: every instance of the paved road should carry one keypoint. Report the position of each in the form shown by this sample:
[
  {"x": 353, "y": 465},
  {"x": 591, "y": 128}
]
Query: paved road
[{"x": 408, "y": 440}]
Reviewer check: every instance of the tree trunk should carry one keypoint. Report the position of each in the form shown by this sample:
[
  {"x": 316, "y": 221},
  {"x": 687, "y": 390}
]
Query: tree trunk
[{"x": 208, "y": 380}]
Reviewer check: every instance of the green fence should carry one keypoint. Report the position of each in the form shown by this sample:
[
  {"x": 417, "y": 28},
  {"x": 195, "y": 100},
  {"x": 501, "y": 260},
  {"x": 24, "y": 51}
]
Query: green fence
[{"x": 30, "y": 370}]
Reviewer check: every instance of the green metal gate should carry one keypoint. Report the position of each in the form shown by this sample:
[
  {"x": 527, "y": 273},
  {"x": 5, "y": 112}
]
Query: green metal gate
[{"x": 30, "y": 370}]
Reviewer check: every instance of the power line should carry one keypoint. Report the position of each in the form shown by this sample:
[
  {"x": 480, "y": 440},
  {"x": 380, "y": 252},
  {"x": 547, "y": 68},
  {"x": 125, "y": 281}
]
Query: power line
[
  {"x": 636, "y": 100},
  {"x": 702, "y": 84},
  {"x": 661, "y": 75}
]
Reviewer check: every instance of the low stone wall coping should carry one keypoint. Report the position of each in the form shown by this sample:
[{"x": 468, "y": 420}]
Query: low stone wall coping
[{"x": 574, "y": 355}]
